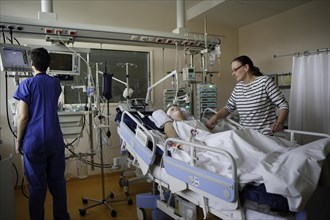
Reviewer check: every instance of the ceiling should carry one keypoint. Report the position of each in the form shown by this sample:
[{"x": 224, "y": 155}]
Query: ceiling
[{"x": 237, "y": 13}]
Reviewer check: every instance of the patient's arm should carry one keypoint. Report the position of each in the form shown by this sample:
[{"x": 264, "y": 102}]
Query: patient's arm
[
  {"x": 169, "y": 130},
  {"x": 171, "y": 133}
]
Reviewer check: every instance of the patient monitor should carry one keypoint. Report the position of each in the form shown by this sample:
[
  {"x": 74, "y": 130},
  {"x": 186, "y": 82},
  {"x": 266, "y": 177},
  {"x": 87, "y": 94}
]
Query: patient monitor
[
  {"x": 67, "y": 63},
  {"x": 15, "y": 58}
]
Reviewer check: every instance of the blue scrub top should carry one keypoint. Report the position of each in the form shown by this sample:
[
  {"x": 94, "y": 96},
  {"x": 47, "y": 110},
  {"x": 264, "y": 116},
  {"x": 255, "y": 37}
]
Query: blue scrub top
[{"x": 43, "y": 132}]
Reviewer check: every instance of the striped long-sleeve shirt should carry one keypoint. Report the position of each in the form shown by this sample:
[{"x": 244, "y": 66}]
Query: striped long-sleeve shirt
[{"x": 256, "y": 103}]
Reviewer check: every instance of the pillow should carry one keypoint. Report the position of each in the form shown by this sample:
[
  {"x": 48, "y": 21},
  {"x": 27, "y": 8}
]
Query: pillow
[{"x": 159, "y": 117}]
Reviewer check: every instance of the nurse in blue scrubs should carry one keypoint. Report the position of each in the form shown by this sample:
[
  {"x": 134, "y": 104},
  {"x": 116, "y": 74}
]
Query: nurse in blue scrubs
[{"x": 40, "y": 139}]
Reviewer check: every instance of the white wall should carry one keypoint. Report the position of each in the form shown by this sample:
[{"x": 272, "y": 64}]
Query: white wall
[
  {"x": 300, "y": 29},
  {"x": 150, "y": 15}
]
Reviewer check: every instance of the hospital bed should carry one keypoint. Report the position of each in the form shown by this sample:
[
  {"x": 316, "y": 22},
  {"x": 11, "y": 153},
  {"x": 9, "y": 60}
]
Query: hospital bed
[
  {"x": 213, "y": 192},
  {"x": 132, "y": 173}
]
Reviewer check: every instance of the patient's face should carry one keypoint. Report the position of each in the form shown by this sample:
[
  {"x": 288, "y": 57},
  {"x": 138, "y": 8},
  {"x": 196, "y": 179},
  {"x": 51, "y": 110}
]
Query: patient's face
[{"x": 175, "y": 113}]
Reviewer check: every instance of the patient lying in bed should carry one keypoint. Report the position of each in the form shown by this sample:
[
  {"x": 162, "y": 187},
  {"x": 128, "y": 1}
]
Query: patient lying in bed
[{"x": 282, "y": 166}]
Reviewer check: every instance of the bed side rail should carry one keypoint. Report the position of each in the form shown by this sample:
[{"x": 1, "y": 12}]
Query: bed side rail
[
  {"x": 212, "y": 185},
  {"x": 315, "y": 134},
  {"x": 234, "y": 125},
  {"x": 141, "y": 141}
]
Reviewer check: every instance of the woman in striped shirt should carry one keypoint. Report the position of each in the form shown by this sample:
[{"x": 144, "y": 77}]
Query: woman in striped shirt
[{"x": 255, "y": 97}]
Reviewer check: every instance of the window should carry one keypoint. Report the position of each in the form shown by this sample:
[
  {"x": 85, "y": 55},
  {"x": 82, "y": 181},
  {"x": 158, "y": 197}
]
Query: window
[{"x": 113, "y": 62}]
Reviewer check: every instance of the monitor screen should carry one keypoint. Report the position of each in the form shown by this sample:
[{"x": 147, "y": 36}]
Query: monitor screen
[
  {"x": 59, "y": 61},
  {"x": 15, "y": 58},
  {"x": 64, "y": 63}
]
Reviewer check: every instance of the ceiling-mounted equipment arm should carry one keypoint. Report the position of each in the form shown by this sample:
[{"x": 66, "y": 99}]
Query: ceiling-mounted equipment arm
[{"x": 173, "y": 73}]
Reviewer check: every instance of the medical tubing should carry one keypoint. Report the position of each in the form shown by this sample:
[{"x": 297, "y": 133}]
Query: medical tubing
[
  {"x": 90, "y": 80},
  {"x": 88, "y": 161},
  {"x": 177, "y": 84},
  {"x": 72, "y": 50},
  {"x": 176, "y": 55},
  {"x": 9, "y": 124},
  {"x": 176, "y": 68}
]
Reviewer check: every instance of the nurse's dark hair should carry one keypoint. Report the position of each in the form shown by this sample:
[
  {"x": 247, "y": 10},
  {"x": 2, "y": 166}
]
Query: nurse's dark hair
[
  {"x": 40, "y": 59},
  {"x": 245, "y": 60}
]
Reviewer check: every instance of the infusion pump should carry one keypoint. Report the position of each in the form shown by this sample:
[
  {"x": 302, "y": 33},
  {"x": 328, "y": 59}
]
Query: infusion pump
[{"x": 188, "y": 74}]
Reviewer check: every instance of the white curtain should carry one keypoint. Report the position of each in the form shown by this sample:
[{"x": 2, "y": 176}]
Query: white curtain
[{"x": 310, "y": 93}]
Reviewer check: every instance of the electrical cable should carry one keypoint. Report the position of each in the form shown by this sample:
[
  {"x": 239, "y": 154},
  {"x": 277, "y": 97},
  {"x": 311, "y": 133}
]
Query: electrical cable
[
  {"x": 73, "y": 154},
  {"x": 17, "y": 41},
  {"x": 11, "y": 33},
  {"x": 83, "y": 127},
  {"x": 9, "y": 40},
  {"x": 72, "y": 49},
  {"x": 8, "y": 121},
  {"x": 16, "y": 171},
  {"x": 22, "y": 189},
  {"x": 98, "y": 165},
  {"x": 3, "y": 34},
  {"x": 6, "y": 88}
]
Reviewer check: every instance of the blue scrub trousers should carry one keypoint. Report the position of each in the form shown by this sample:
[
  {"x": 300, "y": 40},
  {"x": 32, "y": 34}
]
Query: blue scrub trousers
[{"x": 42, "y": 170}]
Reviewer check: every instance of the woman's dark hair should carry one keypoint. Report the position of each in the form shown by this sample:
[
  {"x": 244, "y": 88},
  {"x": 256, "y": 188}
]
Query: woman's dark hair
[
  {"x": 40, "y": 59},
  {"x": 246, "y": 60}
]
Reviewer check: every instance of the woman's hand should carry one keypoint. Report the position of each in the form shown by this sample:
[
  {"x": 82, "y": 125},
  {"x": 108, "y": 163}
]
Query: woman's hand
[
  {"x": 276, "y": 127},
  {"x": 210, "y": 124},
  {"x": 213, "y": 121}
]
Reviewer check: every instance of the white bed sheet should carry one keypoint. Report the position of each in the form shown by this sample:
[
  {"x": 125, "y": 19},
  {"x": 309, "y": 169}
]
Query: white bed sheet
[{"x": 282, "y": 166}]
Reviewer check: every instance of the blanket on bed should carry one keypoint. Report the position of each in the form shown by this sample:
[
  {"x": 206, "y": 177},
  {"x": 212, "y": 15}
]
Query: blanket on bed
[{"x": 284, "y": 167}]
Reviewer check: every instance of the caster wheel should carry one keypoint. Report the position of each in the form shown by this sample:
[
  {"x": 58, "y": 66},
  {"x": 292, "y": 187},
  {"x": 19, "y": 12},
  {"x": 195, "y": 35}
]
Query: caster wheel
[
  {"x": 112, "y": 196},
  {"x": 141, "y": 213},
  {"x": 130, "y": 202},
  {"x": 84, "y": 201},
  {"x": 82, "y": 212},
  {"x": 113, "y": 213}
]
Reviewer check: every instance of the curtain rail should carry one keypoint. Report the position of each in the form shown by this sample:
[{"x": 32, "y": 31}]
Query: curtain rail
[{"x": 308, "y": 52}]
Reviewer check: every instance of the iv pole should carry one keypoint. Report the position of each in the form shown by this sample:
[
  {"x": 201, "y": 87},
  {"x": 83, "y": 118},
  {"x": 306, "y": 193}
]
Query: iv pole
[
  {"x": 126, "y": 65},
  {"x": 105, "y": 200}
]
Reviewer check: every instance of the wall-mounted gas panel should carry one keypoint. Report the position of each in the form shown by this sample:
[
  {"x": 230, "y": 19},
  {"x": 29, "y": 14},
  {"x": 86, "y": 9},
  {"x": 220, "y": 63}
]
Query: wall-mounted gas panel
[{"x": 70, "y": 32}]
